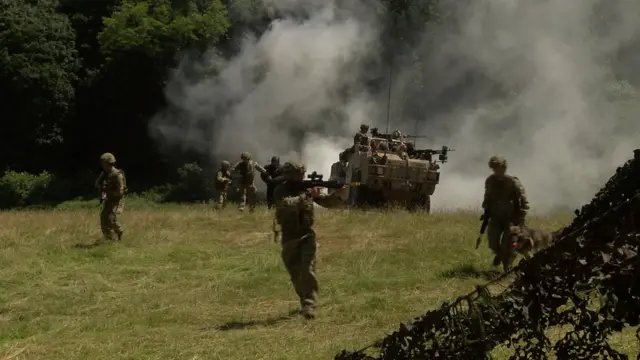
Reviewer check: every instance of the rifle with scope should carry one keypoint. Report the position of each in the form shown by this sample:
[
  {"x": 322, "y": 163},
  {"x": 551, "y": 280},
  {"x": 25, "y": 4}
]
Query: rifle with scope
[{"x": 315, "y": 180}]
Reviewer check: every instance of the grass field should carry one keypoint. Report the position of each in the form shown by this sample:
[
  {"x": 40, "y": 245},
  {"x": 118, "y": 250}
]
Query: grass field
[{"x": 188, "y": 283}]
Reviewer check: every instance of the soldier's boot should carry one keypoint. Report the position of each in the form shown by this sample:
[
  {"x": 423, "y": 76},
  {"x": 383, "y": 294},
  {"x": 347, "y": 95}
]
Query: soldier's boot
[
  {"x": 309, "y": 312},
  {"x": 496, "y": 260},
  {"x": 507, "y": 262},
  {"x": 119, "y": 234}
]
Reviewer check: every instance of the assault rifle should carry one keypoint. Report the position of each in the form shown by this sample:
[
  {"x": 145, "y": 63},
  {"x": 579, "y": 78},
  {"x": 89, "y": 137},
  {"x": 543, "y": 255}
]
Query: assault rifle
[
  {"x": 315, "y": 180},
  {"x": 103, "y": 194},
  {"x": 485, "y": 221},
  {"x": 427, "y": 154}
]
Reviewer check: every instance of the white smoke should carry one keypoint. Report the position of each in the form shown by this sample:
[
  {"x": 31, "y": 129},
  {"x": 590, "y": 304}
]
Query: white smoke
[
  {"x": 281, "y": 92},
  {"x": 562, "y": 137},
  {"x": 286, "y": 91}
]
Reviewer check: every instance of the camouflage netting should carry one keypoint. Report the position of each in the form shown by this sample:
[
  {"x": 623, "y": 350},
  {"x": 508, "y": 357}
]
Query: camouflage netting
[{"x": 596, "y": 258}]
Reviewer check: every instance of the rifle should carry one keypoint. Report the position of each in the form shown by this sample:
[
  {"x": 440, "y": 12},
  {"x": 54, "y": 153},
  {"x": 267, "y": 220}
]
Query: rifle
[
  {"x": 315, "y": 180},
  {"x": 485, "y": 221},
  {"x": 103, "y": 195}
]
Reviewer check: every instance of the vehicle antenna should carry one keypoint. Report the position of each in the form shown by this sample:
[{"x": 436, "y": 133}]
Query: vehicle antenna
[{"x": 395, "y": 21}]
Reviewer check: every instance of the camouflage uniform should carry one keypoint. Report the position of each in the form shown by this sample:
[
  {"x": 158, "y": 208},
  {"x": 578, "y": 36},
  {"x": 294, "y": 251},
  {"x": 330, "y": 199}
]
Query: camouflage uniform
[
  {"x": 222, "y": 180},
  {"x": 339, "y": 170},
  {"x": 361, "y": 139},
  {"x": 113, "y": 185},
  {"x": 381, "y": 153},
  {"x": 272, "y": 170},
  {"x": 246, "y": 187},
  {"x": 506, "y": 203},
  {"x": 295, "y": 215}
]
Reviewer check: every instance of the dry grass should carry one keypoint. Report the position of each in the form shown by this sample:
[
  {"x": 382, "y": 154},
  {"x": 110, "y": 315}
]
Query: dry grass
[{"x": 188, "y": 283}]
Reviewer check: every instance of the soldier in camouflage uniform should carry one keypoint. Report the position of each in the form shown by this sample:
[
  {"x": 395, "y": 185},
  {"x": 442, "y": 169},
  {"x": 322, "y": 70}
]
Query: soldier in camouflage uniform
[
  {"x": 505, "y": 201},
  {"x": 295, "y": 216},
  {"x": 272, "y": 170},
  {"x": 222, "y": 181},
  {"x": 361, "y": 139},
  {"x": 112, "y": 184},
  {"x": 246, "y": 187}
]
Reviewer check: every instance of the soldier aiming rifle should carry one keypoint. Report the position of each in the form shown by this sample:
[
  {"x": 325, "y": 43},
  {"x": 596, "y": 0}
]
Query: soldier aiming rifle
[{"x": 315, "y": 181}]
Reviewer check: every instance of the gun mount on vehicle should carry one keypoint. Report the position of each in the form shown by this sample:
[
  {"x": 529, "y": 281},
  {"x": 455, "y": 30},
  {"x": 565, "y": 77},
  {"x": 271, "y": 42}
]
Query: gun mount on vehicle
[{"x": 427, "y": 154}]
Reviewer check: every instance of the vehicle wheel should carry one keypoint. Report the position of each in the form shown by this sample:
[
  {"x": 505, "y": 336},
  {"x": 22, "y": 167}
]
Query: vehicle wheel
[
  {"x": 422, "y": 203},
  {"x": 426, "y": 205}
]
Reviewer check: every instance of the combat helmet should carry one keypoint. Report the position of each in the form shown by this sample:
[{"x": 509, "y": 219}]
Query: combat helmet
[
  {"x": 108, "y": 158},
  {"x": 225, "y": 164},
  {"x": 275, "y": 160},
  {"x": 364, "y": 127},
  {"x": 291, "y": 168},
  {"x": 245, "y": 156},
  {"x": 496, "y": 161}
]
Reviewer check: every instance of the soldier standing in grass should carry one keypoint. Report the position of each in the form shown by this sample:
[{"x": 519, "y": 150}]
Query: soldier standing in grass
[
  {"x": 222, "y": 181},
  {"x": 272, "y": 170},
  {"x": 113, "y": 186},
  {"x": 295, "y": 216},
  {"x": 506, "y": 204},
  {"x": 247, "y": 188}
]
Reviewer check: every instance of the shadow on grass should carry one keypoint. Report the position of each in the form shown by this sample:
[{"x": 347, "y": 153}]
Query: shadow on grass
[
  {"x": 87, "y": 246},
  {"x": 239, "y": 325},
  {"x": 96, "y": 244},
  {"x": 466, "y": 271}
]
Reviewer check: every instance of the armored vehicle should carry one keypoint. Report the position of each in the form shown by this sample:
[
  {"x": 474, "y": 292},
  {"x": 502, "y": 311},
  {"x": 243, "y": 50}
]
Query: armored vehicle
[{"x": 406, "y": 178}]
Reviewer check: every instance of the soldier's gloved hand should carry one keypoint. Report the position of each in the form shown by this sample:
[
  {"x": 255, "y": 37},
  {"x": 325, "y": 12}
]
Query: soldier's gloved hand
[{"x": 315, "y": 192}]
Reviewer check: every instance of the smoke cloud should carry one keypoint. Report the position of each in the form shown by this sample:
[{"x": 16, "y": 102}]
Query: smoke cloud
[
  {"x": 560, "y": 116},
  {"x": 535, "y": 81}
]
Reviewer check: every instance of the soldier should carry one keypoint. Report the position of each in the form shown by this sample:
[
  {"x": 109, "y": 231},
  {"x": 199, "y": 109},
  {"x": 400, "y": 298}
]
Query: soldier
[
  {"x": 402, "y": 151},
  {"x": 361, "y": 139},
  {"x": 247, "y": 188},
  {"x": 113, "y": 185},
  {"x": 506, "y": 204},
  {"x": 380, "y": 155},
  {"x": 295, "y": 216},
  {"x": 272, "y": 170},
  {"x": 339, "y": 169},
  {"x": 222, "y": 181}
]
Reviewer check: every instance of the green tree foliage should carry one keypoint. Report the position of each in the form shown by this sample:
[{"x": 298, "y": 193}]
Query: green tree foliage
[
  {"x": 163, "y": 27},
  {"x": 38, "y": 62}
]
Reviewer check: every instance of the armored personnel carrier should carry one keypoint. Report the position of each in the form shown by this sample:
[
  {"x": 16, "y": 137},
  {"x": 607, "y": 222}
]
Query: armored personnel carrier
[{"x": 406, "y": 177}]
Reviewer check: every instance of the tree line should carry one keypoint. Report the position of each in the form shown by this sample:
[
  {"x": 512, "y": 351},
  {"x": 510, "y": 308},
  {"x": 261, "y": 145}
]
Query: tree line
[{"x": 79, "y": 78}]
